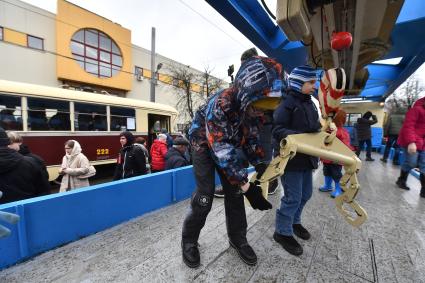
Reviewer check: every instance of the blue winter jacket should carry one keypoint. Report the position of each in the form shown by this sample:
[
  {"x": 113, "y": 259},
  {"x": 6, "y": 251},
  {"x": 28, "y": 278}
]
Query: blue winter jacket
[{"x": 296, "y": 114}]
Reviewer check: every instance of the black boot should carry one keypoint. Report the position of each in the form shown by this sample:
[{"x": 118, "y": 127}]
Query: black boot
[
  {"x": 245, "y": 252},
  {"x": 190, "y": 254},
  {"x": 422, "y": 178},
  {"x": 288, "y": 243},
  {"x": 301, "y": 232},
  {"x": 401, "y": 181}
]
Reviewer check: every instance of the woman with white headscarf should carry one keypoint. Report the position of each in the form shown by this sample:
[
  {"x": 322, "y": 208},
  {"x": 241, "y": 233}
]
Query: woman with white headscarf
[{"x": 74, "y": 166}]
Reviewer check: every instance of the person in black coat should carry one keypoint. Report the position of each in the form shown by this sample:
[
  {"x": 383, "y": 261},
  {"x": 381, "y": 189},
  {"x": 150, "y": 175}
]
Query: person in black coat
[
  {"x": 16, "y": 143},
  {"x": 364, "y": 134},
  {"x": 296, "y": 114},
  {"x": 175, "y": 157},
  {"x": 20, "y": 177},
  {"x": 131, "y": 161}
]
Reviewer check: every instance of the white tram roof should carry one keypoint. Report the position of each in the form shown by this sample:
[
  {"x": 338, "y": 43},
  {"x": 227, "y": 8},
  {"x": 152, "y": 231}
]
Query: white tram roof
[{"x": 55, "y": 92}]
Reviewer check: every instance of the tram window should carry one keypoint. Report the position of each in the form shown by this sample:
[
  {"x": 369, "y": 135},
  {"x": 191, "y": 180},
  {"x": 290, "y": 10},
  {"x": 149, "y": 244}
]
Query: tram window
[
  {"x": 352, "y": 119},
  {"x": 123, "y": 119},
  {"x": 48, "y": 114},
  {"x": 90, "y": 117},
  {"x": 10, "y": 113}
]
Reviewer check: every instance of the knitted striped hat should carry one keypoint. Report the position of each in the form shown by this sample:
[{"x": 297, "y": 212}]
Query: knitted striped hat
[{"x": 300, "y": 75}]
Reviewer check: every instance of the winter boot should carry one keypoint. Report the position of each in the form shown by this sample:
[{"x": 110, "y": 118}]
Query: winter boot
[
  {"x": 401, "y": 181},
  {"x": 422, "y": 178},
  {"x": 327, "y": 187},
  {"x": 288, "y": 243},
  {"x": 337, "y": 190}
]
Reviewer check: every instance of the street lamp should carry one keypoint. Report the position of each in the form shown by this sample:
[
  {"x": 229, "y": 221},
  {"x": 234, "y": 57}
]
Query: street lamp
[{"x": 154, "y": 81}]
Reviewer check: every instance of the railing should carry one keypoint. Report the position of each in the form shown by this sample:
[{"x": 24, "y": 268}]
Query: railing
[{"x": 51, "y": 221}]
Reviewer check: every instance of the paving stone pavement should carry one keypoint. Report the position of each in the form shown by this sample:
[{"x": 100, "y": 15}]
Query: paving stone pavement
[{"x": 389, "y": 247}]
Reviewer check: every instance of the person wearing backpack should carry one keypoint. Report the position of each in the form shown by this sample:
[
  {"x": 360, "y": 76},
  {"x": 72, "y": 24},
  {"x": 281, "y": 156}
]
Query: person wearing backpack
[{"x": 131, "y": 160}]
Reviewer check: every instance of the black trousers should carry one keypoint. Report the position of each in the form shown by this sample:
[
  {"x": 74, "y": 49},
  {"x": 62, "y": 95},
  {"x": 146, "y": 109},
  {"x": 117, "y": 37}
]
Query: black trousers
[
  {"x": 392, "y": 142},
  {"x": 204, "y": 169},
  {"x": 368, "y": 147}
]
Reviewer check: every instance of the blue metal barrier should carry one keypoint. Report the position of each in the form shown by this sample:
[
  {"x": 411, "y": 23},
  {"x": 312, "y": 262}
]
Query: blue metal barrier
[
  {"x": 377, "y": 134},
  {"x": 50, "y": 221}
]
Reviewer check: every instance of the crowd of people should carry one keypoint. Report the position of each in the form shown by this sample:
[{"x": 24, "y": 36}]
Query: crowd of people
[
  {"x": 235, "y": 128},
  {"x": 24, "y": 174}
]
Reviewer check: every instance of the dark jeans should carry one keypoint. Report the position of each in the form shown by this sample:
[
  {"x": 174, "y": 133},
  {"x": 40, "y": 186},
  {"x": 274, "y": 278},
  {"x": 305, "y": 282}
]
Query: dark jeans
[
  {"x": 298, "y": 188},
  {"x": 368, "y": 148},
  {"x": 392, "y": 142},
  {"x": 204, "y": 170}
]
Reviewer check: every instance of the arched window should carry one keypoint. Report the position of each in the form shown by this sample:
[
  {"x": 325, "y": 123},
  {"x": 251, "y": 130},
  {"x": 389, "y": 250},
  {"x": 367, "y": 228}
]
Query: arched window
[{"x": 96, "y": 53}]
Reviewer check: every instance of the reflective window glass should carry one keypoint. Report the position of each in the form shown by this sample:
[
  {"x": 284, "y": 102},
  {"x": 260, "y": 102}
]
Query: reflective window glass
[
  {"x": 10, "y": 112},
  {"x": 123, "y": 119},
  {"x": 48, "y": 114},
  {"x": 92, "y": 38},
  {"x": 89, "y": 45},
  {"x": 35, "y": 42},
  {"x": 90, "y": 117},
  {"x": 77, "y": 48},
  {"x": 105, "y": 43}
]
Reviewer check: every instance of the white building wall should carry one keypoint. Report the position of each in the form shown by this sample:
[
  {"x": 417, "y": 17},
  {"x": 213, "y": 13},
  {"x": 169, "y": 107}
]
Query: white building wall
[{"x": 24, "y": 64}]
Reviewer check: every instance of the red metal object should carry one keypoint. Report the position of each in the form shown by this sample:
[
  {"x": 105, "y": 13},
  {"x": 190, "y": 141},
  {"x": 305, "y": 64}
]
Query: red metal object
[{"x": 341, "y": 40}]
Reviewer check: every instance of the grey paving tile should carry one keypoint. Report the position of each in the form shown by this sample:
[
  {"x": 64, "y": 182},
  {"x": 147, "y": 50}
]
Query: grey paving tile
[{"x": 147, "y": 249}]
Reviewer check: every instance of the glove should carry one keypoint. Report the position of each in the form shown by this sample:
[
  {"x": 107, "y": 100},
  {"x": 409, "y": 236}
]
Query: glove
[
  {"x": 260, "y": 168},
  {"x": 256, "y": 199}
]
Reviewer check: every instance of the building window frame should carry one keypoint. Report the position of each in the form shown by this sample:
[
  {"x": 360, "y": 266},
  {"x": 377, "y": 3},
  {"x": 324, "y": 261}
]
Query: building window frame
[
  {"x": 138, "y": 73},
  {"x": 352, "y": 119},
  {"x": 106, "y": 56},
  {"x": 35, "y": 37}
]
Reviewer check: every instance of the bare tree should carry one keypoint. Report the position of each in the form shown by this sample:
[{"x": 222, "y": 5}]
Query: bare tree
[
  {"x": 184, "y": 79},
  {"x": 211, "y": 84},
  {"x": 406, "y": 95}
]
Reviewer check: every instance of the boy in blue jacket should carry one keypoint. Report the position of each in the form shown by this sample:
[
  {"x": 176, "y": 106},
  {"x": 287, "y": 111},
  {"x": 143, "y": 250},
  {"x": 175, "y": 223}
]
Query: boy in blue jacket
[{"x": 296, "y": 114}]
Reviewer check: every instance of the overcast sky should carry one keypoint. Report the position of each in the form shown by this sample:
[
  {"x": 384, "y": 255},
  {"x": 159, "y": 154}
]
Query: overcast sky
[{"x": 188, "y": 31}]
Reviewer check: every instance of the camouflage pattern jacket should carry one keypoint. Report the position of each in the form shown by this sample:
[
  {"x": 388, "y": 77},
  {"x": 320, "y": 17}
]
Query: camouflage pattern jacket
[{"x": 224, "y": 125}]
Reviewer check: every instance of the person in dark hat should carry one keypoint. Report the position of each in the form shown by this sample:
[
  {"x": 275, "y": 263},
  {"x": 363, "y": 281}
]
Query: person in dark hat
[
  {"x": 175, "y": 157},
  {"x": 169, "y": 137},
  {"x": 230, "y": 120},
  {"x": 20, "y": 178},
  {"x": 248, "y": 54},
  {"x": 364, "y": 134},
  {"x": 131, "y": 160}
]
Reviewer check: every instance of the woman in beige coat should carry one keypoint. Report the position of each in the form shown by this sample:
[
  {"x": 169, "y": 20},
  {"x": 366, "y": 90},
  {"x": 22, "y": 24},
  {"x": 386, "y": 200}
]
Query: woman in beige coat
[{"x": 74, "y": 164}]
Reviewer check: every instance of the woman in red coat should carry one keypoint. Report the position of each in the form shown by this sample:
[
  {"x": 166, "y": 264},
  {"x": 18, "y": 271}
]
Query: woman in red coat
[
  {"x": 412, "y": 138},
  {"x": 158, "y": 152}
]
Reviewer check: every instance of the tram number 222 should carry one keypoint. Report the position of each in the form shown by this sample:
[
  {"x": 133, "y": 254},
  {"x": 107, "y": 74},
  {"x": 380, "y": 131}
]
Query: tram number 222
[{"x": 102, "y": 151}]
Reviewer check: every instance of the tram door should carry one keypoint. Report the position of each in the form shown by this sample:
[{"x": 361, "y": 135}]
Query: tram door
[{"x": 155, "y": 124}]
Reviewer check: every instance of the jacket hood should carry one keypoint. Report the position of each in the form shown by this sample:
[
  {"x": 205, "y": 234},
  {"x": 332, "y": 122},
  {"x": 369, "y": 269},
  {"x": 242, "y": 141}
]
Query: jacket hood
[
  {"x": 173, "y": 152},
  {"x": 258, "y": 78},
  {"x": 24, "y": 149},
  {"x": 9, "y": 159},
  {"x": 75, "y": 150},
  {"x": 420, "y": 103}
]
